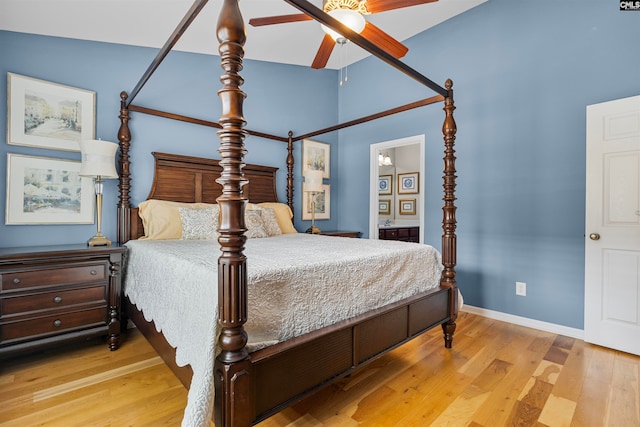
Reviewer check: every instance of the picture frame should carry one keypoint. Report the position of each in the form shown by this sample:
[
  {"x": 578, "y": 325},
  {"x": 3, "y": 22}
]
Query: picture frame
[
  {"x": 407, "y": 206},
  {"x": 42, "y": 190},
  {"x": 385, "y": 184},
  {"x": 384, "y": 207},
  {"x": 316, "y": 156},
  {"x": 323, "y": 203},
  {"x": 48, "y": 115},
  {"x": 408, "y": 183}
]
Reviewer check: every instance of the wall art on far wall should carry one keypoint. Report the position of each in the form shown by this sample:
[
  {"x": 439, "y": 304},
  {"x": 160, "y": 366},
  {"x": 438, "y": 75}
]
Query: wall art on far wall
[
  {"x": 316, "y": 156},
  {"x": 408, "y": 183},
  {"x": 407, "y": 207},
  {"x": 323, "y": 203},
  {"x": 385, "y": 184},
  {"x": 384, "y": 207},
  {"x": 48, "y": 115},
  {"x": 43, "y": 190}
]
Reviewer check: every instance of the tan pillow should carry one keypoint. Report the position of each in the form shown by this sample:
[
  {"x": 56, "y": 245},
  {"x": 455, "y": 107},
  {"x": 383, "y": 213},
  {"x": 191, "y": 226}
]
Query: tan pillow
[
  {"x": 283, "y": 215},
  {"x": 161, "y": 218}
]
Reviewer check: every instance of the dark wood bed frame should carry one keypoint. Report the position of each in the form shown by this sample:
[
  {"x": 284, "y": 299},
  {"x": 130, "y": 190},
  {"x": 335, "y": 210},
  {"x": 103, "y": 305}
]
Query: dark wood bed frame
[{"x": 250, "y": 387}]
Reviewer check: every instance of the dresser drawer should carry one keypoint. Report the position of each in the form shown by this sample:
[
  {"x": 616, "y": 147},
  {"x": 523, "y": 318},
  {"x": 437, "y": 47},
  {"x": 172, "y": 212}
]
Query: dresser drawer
[
  {"x": 67, "y": 275},
  {"x": 12, "y": 331},
  {"x": 53, "y": 300}
]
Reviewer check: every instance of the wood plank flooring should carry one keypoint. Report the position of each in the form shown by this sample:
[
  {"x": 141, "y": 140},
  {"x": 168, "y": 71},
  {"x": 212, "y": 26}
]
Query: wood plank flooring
[{"x": 497, "y": 374}]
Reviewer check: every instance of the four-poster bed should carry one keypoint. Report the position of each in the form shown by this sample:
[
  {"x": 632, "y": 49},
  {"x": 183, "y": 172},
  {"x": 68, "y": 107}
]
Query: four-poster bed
[{"x": 252, "y": 384}]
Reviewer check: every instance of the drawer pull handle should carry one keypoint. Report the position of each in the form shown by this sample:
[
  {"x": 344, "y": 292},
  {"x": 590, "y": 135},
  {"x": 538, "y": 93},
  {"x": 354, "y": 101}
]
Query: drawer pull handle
[
  {"x": 94, "y": 272},
  {"x": 57, "y": 300},
  {"x": 16, "y": 281},
  {"x": 57, "y": 323}
]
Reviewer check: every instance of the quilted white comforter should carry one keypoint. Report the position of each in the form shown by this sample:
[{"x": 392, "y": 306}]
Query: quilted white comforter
[{"x": 296, "y": 283}]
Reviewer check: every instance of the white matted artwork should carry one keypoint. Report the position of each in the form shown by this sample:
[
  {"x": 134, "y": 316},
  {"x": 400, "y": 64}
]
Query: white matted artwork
[
  {"x": 43, "y": 190},
  {"x": 48, "y": 115},
  {"x": 322, "y": 200},
  {"x": 408, "y": 183},
  {"x": 316, "y": 156}
]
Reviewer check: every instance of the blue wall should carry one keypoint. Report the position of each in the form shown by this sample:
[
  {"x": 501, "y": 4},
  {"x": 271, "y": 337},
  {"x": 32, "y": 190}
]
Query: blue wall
[
  {"x": 523, "y": 73},
  {"x": 280, "y": 98}
]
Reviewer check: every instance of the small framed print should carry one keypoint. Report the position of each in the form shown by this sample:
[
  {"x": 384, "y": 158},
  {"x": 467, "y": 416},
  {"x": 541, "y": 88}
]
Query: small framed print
[
  {"x": 48, "y": 115},
  {"x": 316, "y": 156},
  {"x": 407, "y": 207},
  {"x": 43, "y": 190},
  {"x": 408, "y": 183},
  {"x": 322, "y": 203},
  {"x": 385, "y": 184},
  {"x": 384, "y": 207}
]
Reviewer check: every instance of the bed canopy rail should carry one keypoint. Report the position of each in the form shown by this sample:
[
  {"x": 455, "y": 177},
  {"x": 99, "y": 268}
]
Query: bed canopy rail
[{"x": 233, "y": 371}]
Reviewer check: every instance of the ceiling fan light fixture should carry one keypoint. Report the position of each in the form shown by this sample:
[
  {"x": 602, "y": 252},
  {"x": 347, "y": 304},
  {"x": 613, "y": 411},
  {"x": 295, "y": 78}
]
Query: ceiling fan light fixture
[{"x": 347, "y": 17}]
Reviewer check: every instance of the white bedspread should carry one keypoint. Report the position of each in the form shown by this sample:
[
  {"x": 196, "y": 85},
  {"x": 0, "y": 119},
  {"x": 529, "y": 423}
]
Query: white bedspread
[{"x": 296, "y": 283}]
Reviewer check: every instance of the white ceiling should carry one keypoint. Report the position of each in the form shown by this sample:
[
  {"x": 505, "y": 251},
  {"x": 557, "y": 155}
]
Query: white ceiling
[{"x": 150, "y": 22}]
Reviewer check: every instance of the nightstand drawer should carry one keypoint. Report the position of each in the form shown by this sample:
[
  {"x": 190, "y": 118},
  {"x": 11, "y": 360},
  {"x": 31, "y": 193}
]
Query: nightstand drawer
[
  {"x": 84, "y": 273},
  {"x": 52, "y": 324},
  {"x": 53, "y": 300}
]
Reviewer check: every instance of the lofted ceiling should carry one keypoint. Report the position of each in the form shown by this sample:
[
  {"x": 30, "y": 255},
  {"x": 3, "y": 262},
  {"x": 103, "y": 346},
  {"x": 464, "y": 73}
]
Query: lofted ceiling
[{"x": 150, "y": 22}]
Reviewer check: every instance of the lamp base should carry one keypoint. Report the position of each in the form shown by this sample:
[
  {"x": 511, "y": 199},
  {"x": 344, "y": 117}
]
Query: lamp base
[
  {"x": 313, "y": 230},
  {"x": 99, "y": 240}
]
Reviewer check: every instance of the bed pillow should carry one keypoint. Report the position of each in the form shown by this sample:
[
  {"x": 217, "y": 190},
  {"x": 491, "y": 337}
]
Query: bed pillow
[
  {"x": 270, "y": 221},
  {"x": 161, "y": 218},
  {"x": 283, "y": 216},
  {"x": 254, "y": 224},
  {"x": 199, "y": 224}
]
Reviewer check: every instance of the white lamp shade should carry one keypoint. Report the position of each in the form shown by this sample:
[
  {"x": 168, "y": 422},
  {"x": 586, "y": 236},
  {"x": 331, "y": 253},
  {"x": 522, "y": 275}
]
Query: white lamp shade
[
  {"x": 350, "y": 18},
  {"x": 313, "y": 180},
  {"x": 98, "y": 158}
]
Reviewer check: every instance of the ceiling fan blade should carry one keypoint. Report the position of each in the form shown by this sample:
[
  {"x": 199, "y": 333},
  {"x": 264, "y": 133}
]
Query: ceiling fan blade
[
  {"x": 384, "y": 41},
  {"x": 322, "y": 57},
  {"x": 280, "y": 19},
  {"x": 377, "y": 6}
]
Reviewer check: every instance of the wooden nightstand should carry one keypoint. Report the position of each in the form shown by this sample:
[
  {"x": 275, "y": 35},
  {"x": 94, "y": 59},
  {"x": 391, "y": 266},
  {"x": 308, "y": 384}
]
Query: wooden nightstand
[
  {"x": 50, "y": 295},
  {"x": 354, "y": 234}
]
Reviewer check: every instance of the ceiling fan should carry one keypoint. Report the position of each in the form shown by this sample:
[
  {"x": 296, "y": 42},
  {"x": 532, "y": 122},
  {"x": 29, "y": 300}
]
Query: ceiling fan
[{"x": 350, "y": 13}]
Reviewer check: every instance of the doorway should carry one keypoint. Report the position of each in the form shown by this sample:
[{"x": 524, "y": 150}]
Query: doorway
[{"x": 397, "y": 203}]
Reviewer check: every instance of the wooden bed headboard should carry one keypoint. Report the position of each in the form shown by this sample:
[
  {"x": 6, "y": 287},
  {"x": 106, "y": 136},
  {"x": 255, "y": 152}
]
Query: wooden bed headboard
[{"x": 193, "y": 179}]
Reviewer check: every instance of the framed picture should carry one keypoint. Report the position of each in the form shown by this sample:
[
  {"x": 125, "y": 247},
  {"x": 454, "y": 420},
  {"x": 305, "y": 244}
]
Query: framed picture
[
  {"x": 407, "y": 207},
  {"x": 316, "y": 156},
  {"x": 384, "y": 207},
  {"x": 408, "y": 183},
  {"x": 41, "y": 190},
  {"x": 385, "y": 184},
  {"x": 48, "y": 115},
  {"x": 322, "y": 203}
]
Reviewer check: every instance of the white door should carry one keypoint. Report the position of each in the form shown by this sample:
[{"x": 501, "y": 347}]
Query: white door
[{"x": 612, "y": 254}]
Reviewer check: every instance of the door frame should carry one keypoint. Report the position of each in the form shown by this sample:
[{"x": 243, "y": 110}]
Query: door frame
[{"x": 374, "y": 150}]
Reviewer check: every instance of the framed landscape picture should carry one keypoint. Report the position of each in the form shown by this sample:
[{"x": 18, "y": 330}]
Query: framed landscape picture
[
  {"x": 316, "y": 156},
  {"x": 43, "y": 190},
  {"x": 408, "y": 183},
  {"x": 48, "y": 115}
]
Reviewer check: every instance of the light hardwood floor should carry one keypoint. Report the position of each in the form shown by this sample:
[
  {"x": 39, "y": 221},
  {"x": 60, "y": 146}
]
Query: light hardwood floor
[{"x": 497, "y": 374}]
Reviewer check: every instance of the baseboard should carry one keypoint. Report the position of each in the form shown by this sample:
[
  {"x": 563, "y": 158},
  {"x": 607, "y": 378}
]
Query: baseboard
[{"x": 526, "y": 322}]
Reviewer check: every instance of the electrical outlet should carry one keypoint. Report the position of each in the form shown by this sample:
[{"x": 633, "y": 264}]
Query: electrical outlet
[{"x": 521, "y": 289}]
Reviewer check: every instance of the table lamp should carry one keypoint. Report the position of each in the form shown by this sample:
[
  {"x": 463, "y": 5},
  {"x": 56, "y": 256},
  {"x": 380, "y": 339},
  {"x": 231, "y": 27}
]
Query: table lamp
[{"x": 313, "y": 185}]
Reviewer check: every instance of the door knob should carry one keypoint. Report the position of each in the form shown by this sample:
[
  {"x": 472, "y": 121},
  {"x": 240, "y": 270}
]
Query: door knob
[{"x": 594, "y": 236}]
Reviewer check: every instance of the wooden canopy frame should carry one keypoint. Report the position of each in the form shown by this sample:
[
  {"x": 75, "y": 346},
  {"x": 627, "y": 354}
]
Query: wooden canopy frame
[{"x": 235, "y": 393}]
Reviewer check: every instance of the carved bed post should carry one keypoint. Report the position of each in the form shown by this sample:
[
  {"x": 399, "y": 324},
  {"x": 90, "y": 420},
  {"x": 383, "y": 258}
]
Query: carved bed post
[
  {"x": 124, "y": 185},
  {"x": 290, "y": 171},
  {"x": 233, "y": 396},
  {"x": 449, "y": 215}
]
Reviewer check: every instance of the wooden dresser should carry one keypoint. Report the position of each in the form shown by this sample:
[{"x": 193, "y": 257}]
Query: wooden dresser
[
  {"x": 50, "y": 295},
  {"x": 405, "y": 234}
]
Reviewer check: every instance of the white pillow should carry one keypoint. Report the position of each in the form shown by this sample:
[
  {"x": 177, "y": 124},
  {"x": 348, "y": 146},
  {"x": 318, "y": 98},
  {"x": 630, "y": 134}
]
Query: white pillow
[{"x": 199, "y": 224}]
